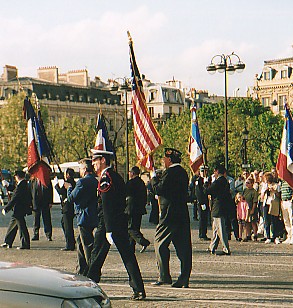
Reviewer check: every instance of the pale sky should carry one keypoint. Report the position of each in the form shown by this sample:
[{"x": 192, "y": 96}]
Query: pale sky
[{"x": 171, "y": 37}]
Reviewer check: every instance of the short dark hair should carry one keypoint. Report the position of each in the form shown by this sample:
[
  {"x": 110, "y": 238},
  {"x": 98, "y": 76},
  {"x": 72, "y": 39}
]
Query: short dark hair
[
  {"x": 135, "y": 170},
  {"x": 20, "y": 174},
  {"x": 70, "y": 172},
  {"x": 221, "y": 169}
]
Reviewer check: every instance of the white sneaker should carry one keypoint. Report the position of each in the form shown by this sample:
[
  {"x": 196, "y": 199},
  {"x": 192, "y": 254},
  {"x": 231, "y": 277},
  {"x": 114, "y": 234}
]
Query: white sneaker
[
  {"x": 287, "y": 241},
  {"x": 268, "y": 241},
  {"x": 277, "y": 241}
]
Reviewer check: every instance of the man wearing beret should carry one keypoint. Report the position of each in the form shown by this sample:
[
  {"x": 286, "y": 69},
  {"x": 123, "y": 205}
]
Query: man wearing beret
[
  {"x": 174, "y": 223},
  {"x": 113, "y": 224}
]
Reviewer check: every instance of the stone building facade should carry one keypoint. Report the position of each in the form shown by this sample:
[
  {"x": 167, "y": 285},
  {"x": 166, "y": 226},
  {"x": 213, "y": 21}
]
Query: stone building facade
[{"x": 274, "y": 86}]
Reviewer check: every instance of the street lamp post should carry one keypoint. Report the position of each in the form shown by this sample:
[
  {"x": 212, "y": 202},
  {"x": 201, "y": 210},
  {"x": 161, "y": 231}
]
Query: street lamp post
[
  {"x": 245, "y": 164},
  {"x": 123, "y": 87},
  {"x": 225, "y": 66}
]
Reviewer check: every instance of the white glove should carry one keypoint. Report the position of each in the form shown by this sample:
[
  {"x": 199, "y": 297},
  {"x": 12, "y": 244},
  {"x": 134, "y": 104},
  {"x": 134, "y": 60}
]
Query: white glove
[
  {"x": 156, "y": 197},
  {"x": 55, "y": 181},
  {"x": 205, "y": 180},
  {"x": 3, "y": 212},
  {"x": 153, "y": 174},
  {"x": 5, "y": 183},
  {"x": 109, "y": 238},
  {"x": 203, "y": 207}
]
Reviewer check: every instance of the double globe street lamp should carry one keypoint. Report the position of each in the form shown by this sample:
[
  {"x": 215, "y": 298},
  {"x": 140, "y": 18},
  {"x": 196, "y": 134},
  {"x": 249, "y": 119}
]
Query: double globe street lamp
[{"x": 226, "y": 66}]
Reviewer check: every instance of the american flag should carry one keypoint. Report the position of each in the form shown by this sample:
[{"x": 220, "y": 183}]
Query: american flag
[
  {"x": 285, "y": 159},
  {"x": 38, "y": 151},
  {"x": 147, "y": 139},
  {"x": 195, "y": 147}
]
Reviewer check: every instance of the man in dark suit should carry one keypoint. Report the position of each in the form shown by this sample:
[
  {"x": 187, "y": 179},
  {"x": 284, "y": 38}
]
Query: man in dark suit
[
  {"x": 67, "y": 209},
  {"x": 20, "y": 204},
  {"x": 42, "y": 199},
  {"x": 174, "y": 223},
  {"x": 220, "y": 194},
  {"x": 84, "y": 197},
  {"x": 136, "y": 198},
  {"x": 113, "y": 225}
]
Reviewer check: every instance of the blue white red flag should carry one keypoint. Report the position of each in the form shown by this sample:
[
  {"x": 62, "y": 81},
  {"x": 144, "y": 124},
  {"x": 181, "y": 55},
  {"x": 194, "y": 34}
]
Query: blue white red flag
[
  {"x": 102, "y": 139},
  {"x": 38, "y": 151},
  {"x": 285, "y": 159},
  {"x": 146, "y": 137},
  {"x": 195, "y": 147}
]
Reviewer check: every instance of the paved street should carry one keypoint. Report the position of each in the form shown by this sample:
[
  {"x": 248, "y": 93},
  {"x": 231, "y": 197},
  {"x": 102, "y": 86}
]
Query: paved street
[{"x": 255, "y": 275}]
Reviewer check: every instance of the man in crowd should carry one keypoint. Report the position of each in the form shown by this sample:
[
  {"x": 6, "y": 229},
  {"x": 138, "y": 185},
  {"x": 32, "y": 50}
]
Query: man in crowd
[
  {"x": 84, "y": 197},
  {"x": 220, "y": 194},
  {"x": 20, "y": 204},
  {"x": 136, "y": 199},
  {"x": 112, "y": 228},
  {"x": 286, "y": 206},
  {"x": 174, "y": 223},
  {"x": 42, "y": 199},
  {"x": 67, "y": 209}
]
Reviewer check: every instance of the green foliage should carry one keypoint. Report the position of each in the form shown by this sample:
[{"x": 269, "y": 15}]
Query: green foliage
[
  {"x": 265, "y": 130},
  {"x": 13, "y": 134}
]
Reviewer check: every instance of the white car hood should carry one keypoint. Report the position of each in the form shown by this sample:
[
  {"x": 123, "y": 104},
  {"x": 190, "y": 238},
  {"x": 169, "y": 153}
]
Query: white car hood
[{"x": 45, "y": 281}]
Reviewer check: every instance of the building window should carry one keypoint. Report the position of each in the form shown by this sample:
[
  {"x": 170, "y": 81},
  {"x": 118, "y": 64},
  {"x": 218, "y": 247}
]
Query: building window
[
  {"x": 282, "y": 99},
  {"x": 152, "y": 95},
  {"x": 166, "y": 95},
  {"x": 284, "y": 74},
  {"x": 266, "y": 76},
  {"x": 180, "y": 110},
  {"x": 151, "y": 111},
  {"x": 170, "y": 110},
  {"x": 266, "y": 101}
]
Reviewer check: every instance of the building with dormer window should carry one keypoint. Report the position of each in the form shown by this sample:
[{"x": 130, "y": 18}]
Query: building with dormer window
[{"x": 274, "y": 86}]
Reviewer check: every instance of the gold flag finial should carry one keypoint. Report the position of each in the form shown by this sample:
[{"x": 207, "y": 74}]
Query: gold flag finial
[{"x": 129, "y": 37}]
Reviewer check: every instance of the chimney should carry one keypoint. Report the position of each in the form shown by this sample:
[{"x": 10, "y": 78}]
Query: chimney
[
  {"x": 9, "y": 72},
  {"x": 49, "y": 73}
]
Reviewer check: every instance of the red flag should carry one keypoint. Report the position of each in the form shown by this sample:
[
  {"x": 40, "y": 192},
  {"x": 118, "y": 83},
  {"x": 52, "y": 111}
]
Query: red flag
[
  {"x": 37, "y": 160},
  {"x": 147, "y": 139}
]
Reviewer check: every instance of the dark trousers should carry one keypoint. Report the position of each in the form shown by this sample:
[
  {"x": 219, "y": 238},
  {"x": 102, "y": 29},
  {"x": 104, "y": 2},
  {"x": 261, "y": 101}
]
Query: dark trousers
[
  {"x": 68, "y": 230},
  {"x": 101, "y": 249},
  {"x": 203, "y": 221},
  {"x": 180, "y": 237},
  {"x": 14, "y": 225},
  {"x": 46, "y": 215},
  {"x": 154, "y": 214},
  {"x": 135, "y": 236},
  {"x": 85, "y": 244}
]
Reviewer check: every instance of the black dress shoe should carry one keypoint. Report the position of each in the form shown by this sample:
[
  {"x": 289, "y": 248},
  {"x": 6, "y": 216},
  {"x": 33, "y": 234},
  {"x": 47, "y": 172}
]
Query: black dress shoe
[
  {"x": 21, "y": 247},
  {"x": 204, "y": 239},
  {"x": 138, "y": 296},
  {"x": 35, "y": 238},
  {"x": 178, "y": 284},
  {"x": 67, "y": 249},
  {"x": 212, "y": 252},
  {"x": 160, "y": 283},
  {"x": 49, "y": 239}
]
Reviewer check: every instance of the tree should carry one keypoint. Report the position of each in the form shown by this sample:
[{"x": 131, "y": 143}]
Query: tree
[{"x": 13, "y": 134}]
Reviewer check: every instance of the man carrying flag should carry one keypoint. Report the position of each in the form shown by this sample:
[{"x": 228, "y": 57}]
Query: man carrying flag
[
  {"x": 285, "y": 172},
  {"x": 39, "y": 169},
  {"x": 147, "y": 139}
]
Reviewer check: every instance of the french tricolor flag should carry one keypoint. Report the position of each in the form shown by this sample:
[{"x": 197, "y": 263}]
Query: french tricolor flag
[
  {"x": 195, "y": 147},
  {"x": 37, "y": 160},
  {"x": 285, "y": 159}
]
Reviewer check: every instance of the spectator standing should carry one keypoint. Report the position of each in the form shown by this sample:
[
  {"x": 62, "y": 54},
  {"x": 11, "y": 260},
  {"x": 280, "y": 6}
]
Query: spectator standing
[
  {"x": 220, "y": 194},
  {"x": 67, "y": 209},
  {"x": 251, "y": 197},
  {"x": 239, "y": 184},
  {"x": 174, "y": 223},
  {"x": 242, "y": 213},
  {"x": 286, "y": 206},
  {"x": 136, "y": 199},
  {"x": 20, "y": 204},
  {"x": 42, "y": 200}
]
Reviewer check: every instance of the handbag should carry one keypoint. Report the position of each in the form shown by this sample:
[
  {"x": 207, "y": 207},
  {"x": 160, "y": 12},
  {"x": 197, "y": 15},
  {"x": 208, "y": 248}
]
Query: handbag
[{"x": 275, "y": 205}]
